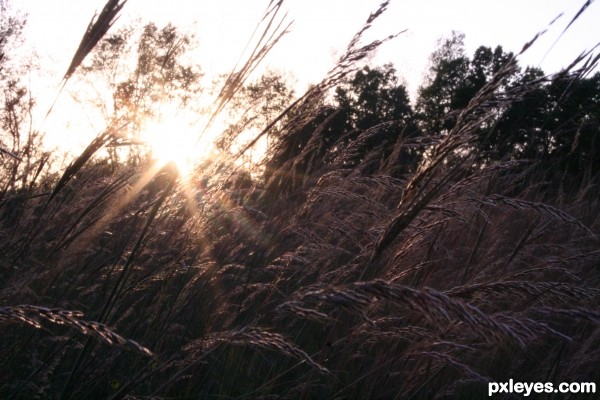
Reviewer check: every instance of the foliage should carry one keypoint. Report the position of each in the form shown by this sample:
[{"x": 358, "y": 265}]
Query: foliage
[
  {"x": 371, "y": 97},
  {"x": 11, "y": 26},
  {"x": 454, "y": 79},
  {"x": 374, "y": 98},
  {"x": 254, "y": 106},
  {"x": 23, "y": 161},
  {"x": 554, "y": 121},
  {"x": 369, "y": 116},
  {"x": 558, "y": 124},
  {"x": 159, "y": 76}
]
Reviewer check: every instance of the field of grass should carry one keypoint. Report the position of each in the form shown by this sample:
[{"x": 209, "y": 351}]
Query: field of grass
[{"x": 328, "y": 276}]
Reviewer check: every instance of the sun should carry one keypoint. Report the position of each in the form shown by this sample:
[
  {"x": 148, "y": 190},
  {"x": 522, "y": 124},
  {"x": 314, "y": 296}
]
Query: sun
[{"x": 176, "y": 140}]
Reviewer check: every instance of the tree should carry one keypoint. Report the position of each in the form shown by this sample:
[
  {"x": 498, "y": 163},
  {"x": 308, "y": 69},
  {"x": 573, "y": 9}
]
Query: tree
[
  {"x": 551, "y": 121},
  {"x": 371, "y": 97},
  {"x": 161, "y": 78},
  {"x": 453, "y": 80},
  {"x": 557, "y": 124},
  {"x": 438, "y": 96},
  {"x": 11, "y": 27},
  {"x": 22, "y": 159},
  {"x": 364, "y": 125},
  {"x": 254, "y": 107},
  {"x": 376, "y": 117}
]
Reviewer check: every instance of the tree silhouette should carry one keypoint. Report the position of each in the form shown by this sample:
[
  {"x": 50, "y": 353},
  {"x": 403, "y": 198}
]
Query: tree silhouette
[
  {"x": 371, "y": 97},
  {"x": 364, "y": 126},
  {"x": 453, "y": 80},
  {"x": 554, "y": 122},
  {"x": 557, "y": 124}
]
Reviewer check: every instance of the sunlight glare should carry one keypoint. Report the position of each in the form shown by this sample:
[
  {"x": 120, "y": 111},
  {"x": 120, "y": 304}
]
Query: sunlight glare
[{"x": 173, "y": 139}]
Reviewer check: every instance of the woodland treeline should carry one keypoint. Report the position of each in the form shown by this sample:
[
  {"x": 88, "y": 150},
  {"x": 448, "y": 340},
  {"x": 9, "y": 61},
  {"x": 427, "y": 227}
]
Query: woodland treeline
[{"x": 381, "y": 247}]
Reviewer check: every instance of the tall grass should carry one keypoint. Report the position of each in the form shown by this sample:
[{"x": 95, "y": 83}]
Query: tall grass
[{"x": 318, "y": 281}]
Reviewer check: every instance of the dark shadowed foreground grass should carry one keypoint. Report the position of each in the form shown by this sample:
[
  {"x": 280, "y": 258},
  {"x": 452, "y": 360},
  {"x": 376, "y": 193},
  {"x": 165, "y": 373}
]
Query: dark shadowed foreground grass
[{"x": 319, "y": 281}]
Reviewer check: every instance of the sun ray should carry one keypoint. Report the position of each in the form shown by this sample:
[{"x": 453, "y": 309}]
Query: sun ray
[{"x": 120, "y": 203}]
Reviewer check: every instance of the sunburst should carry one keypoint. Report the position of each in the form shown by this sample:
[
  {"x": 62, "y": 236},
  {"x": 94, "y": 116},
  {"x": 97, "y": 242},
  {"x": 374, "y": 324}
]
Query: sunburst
[{"x": 172, "y": 138}]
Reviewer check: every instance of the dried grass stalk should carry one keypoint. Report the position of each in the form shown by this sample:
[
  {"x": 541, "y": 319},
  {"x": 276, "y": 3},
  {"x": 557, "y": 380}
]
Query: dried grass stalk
[{"x": 33, "y": 315}]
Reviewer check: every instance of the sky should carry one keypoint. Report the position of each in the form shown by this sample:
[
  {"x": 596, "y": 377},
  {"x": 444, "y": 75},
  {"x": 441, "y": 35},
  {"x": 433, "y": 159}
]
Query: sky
[{"x": 321, "y": 30}]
